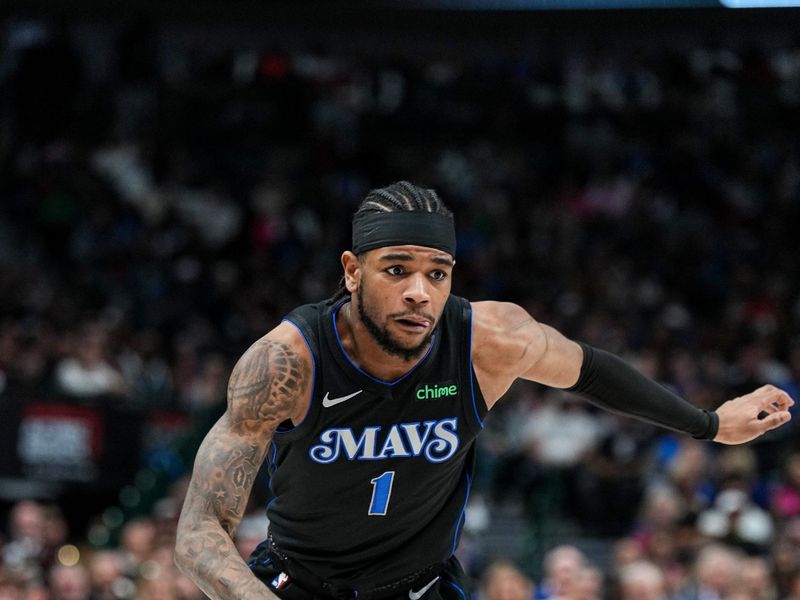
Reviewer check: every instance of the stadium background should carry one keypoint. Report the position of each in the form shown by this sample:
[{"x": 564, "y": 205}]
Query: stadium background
[{"x": 174, "y": 178}]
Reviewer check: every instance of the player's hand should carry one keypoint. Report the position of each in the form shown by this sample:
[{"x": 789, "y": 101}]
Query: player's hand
[{"x": 739, "y": 420}]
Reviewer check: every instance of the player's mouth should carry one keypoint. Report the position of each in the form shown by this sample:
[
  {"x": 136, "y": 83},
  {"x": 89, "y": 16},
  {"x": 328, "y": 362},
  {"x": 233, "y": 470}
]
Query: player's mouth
[{"x": 414, "y": 324}]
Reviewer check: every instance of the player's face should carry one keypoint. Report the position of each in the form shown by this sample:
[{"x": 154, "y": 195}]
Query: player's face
[{"x": 401, "y": 292}]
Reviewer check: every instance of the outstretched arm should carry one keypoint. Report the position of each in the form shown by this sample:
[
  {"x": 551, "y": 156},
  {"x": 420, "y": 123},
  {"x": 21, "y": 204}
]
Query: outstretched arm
[
  {"x": 267, "y": 386},
  {"x": 509, "y": 344}
]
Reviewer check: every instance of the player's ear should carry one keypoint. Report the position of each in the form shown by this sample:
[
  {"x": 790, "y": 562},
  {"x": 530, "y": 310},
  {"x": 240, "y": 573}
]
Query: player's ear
[{"x": 352, "y": 270}]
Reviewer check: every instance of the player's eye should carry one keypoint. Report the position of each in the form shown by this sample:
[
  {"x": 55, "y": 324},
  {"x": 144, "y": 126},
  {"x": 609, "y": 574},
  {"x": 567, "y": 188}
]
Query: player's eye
[
  {"x": 395, "y": 270},
  {"x": 439, "y": 275}
]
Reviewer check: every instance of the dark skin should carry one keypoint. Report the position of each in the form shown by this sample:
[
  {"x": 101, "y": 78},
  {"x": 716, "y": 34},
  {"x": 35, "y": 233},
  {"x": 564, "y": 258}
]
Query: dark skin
[{"x": 403, "y": 290}]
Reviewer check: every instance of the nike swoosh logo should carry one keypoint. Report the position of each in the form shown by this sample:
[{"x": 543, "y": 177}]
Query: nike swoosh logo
[
  {"x": 417, "y": 595},
  {"x": 328, "y": 402}
]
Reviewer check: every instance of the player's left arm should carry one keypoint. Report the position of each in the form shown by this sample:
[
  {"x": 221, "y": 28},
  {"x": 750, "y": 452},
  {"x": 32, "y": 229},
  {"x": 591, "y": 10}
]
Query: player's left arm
[{"x": 508, "y": 344}]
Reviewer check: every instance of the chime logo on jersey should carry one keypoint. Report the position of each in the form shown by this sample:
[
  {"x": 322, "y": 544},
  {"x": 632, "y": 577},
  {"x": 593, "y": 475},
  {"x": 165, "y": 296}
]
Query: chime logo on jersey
[
  {"x": 437, "y": 441},
  {"x": 428, "y": 391}
]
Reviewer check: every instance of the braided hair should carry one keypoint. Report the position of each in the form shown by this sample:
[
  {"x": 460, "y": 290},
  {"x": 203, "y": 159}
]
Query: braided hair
[{"x": 401, "y": 196}]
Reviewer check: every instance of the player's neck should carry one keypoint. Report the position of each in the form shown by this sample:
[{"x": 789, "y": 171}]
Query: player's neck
[{"x": 364, "y": 350}]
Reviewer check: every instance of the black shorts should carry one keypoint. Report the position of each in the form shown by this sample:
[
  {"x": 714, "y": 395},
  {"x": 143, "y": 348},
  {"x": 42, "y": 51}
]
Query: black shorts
[{"x": 449, "y": 582}]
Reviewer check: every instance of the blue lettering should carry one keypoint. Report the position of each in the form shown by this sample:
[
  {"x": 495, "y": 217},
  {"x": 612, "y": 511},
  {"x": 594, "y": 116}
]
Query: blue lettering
[
  {"x": 445, "y": 442},
  {"x": 414, "y": 438},
  {"x": 437, "y": 441},
  {"x": 324, "y": 453}
]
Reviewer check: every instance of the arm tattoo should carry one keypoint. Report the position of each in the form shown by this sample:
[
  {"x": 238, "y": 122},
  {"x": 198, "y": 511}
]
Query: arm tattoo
[
  {"x": 264, "y": 387},
  {"x": 265, "y": 384}
]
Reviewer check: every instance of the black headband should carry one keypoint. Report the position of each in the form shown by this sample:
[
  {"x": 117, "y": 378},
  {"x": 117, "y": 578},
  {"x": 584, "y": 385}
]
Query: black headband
[{"x": 377, "y": 229}]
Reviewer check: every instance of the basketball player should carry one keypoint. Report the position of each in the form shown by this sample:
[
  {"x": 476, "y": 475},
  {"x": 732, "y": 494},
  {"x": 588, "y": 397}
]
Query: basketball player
[{"x": 366, "y": 408}]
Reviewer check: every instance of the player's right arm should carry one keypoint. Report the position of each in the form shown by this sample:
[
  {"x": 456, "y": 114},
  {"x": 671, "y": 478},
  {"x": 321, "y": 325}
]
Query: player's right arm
[{"x": 268, "y": 385}]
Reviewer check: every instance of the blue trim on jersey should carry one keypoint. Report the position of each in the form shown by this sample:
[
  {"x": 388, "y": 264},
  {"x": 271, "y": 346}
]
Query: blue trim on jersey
[
  {"x": 458, "y": 589},
  {"x": 272, "y": 465},
  {"x": 313, "y": 377},
  {"x": 271, "y": 471},
  {"x": 264, "y": 562},
  {"x": 463, "y": 516},
  {"x": 357, "y": 368},
  {"x": 471, "y": 375}
]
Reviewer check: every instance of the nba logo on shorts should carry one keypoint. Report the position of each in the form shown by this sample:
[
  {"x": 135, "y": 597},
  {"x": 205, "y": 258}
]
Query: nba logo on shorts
[{"x": 280, "y": 581}]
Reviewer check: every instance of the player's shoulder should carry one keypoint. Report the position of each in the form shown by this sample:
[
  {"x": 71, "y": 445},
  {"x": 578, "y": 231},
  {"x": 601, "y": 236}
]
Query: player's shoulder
[
  {"x": 275, "y": 371},
  {"x": 500, "y": 330},
  {"x": 282, "y": 347},
  {"x": 502, "y": 336},
  {"x": 286, "y": 333},
  {"x": 492, "y": 316}
]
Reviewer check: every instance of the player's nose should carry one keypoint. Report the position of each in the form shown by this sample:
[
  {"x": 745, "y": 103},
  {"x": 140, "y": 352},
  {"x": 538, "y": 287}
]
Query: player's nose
[{"x": 416, "y": 291}]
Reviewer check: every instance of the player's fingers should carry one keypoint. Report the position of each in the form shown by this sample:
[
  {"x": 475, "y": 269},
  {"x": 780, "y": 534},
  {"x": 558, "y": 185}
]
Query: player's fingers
[
  {"x": 774, "y": 420},
  {"x": 769, "y": 405},
  {"x": 772, "y": 399},
  {"x": 782, "y": 400}
]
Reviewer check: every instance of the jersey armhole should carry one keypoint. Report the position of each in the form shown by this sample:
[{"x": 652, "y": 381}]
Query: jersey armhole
[
  {"x": 284, "y": 429},
  {"x": 476, "y": 403}
]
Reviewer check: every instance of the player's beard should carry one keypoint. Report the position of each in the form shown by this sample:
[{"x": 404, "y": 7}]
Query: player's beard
[{"x": 382, "y": 335}]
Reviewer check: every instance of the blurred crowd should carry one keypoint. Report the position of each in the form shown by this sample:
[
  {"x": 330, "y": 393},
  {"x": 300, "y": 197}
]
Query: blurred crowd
[{"x": 165, "y": 200}]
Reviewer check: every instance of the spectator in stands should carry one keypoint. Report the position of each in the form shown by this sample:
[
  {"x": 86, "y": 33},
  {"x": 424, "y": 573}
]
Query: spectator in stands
[
  {"x": 663, "y": 535},
  {"x": 503, "y": 580},
  {"x": 563, "y": 566},
  {"x": 756, "y": 579},
  {"x": 689, "y": 472},
  {"x": 557, "y": 434},
  {"x": 24, "y": 551},
  {"x": 587, "y": 585},
  {"x": 56, "y": 532},
  {"x": 642, "y": 580},
  {"x": 137, "y": 541},
  {"x": 105, "y": 570},
  {"x": 786, "y": 555},
  {"x": 88, "y": 370},
  {"x": 734, "y": 517},
  {"x": 159, "y": 586},
  {"x": 70, "y": 582},
  {"x": 610, "y": 477},
  {"x": 785, "y": 498},
  {"x": 12, "y": 586},
  {"x": 716, "y": 574},
  {"x": 207, "y": 388}
]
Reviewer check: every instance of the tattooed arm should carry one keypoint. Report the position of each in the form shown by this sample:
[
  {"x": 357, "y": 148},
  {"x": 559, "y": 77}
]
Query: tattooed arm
[{"x": 268, "y": 385}]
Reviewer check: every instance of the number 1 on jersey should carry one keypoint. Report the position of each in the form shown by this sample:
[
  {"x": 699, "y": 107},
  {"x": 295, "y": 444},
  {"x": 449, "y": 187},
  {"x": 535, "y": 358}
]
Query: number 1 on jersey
[{"x": 381, "y": 491}]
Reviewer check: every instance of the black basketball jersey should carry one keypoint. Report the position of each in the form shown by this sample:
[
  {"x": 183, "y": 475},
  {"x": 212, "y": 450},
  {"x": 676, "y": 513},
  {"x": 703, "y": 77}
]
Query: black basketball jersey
[{"x": 372, "y": 485}]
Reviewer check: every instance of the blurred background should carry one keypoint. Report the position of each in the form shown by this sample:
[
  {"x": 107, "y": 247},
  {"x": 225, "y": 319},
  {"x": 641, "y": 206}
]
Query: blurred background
[{"x": 174, "y": 178}]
